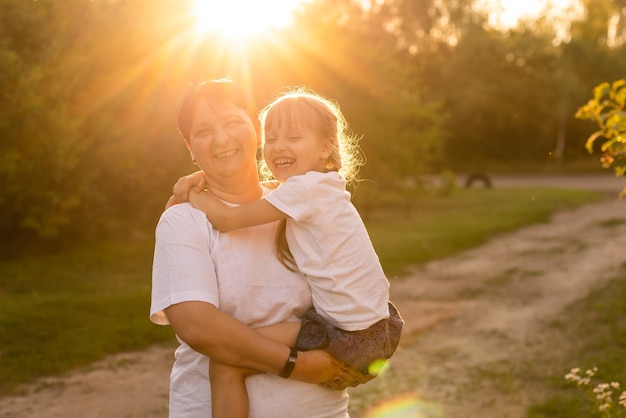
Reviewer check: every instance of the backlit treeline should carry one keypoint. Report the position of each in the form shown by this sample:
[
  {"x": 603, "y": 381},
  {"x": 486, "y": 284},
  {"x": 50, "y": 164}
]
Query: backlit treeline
[{"x": 89, "y": 91}]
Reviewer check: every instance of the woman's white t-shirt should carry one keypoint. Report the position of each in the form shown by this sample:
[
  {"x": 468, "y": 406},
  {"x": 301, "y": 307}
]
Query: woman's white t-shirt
[{"x": 239, "y": 273}]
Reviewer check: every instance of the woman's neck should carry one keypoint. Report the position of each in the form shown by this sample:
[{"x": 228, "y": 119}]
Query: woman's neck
[{"x": 237, "y": 189}]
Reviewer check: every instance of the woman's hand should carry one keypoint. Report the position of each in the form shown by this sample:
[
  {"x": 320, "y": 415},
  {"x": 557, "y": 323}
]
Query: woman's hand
[
  {"x": 195, "y": 181},
  {"x": 318, "y": 366}
]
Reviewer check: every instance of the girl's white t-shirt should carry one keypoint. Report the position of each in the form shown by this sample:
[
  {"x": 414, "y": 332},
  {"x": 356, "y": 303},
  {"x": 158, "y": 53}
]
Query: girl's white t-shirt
[
  {"x": 332, "y": 248},
  {"x": 237, "y": 272}
]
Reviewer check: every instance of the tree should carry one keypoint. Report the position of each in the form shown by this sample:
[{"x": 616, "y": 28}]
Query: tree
[
  {"x": 82, "y": 109},
  {"x": 383, "y": 101},
  {"x": 607, "y": 109},
  {"x": 39, "y": 131}
]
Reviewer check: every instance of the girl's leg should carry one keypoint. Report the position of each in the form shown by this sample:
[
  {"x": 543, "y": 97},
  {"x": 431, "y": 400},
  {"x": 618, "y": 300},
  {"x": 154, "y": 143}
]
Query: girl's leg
[{"x": 229, "y": 397}]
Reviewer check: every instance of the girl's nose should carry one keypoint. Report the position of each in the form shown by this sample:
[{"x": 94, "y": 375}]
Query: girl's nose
[{"x": 279, "y": 145}]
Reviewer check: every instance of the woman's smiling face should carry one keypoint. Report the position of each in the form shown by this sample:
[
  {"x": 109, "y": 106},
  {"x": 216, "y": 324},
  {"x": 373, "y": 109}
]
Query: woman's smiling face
[{"x": 222, "y": 140}]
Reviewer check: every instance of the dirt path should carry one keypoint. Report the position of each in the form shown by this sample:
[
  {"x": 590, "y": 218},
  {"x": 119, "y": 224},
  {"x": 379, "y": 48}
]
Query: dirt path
[
  {"x": 471, "y": 321},
  {"x": 477, "y": 319}
]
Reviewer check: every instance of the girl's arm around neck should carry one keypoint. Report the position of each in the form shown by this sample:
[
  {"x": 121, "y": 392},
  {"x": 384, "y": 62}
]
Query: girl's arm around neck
[{"x": 227, "y": 218}]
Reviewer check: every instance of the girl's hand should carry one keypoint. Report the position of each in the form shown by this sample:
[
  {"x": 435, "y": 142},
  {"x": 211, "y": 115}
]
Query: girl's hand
[
  {"x": 318, "y": 366},
  {"x": 195, "y": 181},
  {"x": 171, "y": 202},
  {"x": 200, "y": 200}
]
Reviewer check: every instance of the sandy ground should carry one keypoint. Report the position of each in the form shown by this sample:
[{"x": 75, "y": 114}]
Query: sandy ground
[
  {"x": 472, "y": 321},
  {"x": 480, "y": 320}
]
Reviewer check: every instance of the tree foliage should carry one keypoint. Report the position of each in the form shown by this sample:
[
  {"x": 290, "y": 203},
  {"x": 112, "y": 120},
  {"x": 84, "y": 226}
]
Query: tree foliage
[
  {"x": 87, "y": 110},
  {"x": 402, "y": 132},
  {"x": 67, "y": 165},
  {"x": 607, "y": 109}
]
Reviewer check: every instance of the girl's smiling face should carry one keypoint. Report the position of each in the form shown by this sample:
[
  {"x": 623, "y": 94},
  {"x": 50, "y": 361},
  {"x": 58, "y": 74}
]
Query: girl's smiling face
[{"x": 292, "y": 145}]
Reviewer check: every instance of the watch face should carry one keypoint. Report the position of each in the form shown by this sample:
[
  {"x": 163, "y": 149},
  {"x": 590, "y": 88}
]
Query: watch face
[{"x": 290, "y": 364}]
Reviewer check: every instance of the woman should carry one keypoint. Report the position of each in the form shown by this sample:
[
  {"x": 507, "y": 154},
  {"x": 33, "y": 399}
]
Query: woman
[{"x": 214, "y": 288}]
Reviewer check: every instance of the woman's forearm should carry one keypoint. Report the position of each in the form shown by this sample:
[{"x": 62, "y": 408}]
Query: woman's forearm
[
  {"x": 219, "y": 336},
  {"x": 223, "y": 338}
]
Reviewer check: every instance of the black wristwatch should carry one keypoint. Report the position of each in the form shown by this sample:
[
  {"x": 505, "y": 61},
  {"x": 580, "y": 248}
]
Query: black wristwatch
[{"x": 290, "y": 364}]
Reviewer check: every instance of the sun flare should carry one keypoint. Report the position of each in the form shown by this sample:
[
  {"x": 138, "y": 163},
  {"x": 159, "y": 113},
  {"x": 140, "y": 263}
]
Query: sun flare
[
  {"x": 238, "y": 19},
  {"x": 507, "y": 13}
]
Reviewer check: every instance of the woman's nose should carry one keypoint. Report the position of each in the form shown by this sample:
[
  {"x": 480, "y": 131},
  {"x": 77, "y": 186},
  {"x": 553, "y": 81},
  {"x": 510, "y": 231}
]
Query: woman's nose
[{"x": 220, "y": 135}]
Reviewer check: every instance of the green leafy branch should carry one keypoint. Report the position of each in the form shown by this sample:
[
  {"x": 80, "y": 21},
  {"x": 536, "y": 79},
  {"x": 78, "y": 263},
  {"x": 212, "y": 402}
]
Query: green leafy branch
[{"x": 607, "y": 110}]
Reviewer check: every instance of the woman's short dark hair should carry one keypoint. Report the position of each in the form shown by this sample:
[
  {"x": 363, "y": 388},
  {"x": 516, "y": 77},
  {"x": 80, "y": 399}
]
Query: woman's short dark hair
[{"x": 214, "y": 91}]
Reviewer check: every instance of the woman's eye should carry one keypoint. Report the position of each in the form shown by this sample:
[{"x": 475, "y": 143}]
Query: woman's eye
[{"x": 202, "y": 132}]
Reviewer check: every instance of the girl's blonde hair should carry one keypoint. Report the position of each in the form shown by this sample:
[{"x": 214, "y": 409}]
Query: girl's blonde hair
[{"x": 304, "y": 108}]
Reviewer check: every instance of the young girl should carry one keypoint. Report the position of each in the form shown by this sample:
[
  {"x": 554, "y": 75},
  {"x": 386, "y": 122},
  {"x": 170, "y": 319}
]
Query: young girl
[{"x": 308, "y": 149}]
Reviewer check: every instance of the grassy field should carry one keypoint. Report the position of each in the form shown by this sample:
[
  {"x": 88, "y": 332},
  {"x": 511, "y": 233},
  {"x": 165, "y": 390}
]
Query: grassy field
[
  {"x": 593, "y": 335},
  {"x": 62, "y": 311},
  {"x": 439, "y": 226}
]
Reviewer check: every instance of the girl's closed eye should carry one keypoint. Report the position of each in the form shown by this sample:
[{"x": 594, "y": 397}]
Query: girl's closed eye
[{"x": 294, "y": 135}]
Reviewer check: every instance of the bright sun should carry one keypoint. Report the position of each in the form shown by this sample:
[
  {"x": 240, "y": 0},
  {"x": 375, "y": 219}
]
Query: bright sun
[
  {"x": 509, "y": 12},
  {"x": 237, "y": 19}
]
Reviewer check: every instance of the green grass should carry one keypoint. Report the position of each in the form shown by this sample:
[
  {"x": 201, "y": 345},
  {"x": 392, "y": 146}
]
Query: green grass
[
  {"x": 58, "y": 312},
  {"x": 594, "y": 332},
  {"x": 437, "y": 227},
  {"x": 63, "y": 311}
]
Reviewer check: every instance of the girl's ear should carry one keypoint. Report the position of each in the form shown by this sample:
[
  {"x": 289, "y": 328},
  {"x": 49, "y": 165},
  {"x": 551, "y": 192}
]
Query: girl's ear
[{"x": 326, "y": 150}]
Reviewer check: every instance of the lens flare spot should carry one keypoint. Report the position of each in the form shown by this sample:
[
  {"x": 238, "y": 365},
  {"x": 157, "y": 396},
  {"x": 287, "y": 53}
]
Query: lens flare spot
[
  {"x": 407, "y": 405},
  {"x": 378, "y": 367}
]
